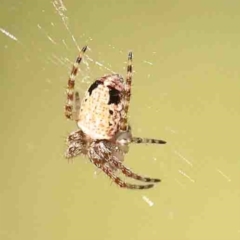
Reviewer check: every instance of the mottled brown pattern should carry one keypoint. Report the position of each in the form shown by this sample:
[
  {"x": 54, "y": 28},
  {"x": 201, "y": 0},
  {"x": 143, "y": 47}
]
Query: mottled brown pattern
[
  {"x": 95, "y": 115},
  {"x": 104, "y": 134}
]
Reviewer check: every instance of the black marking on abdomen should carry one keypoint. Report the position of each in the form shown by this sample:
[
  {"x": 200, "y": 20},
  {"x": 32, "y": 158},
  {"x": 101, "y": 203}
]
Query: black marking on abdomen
[
  {"x": 114, "y": 96},
  {"x": 93, "y": 86}
]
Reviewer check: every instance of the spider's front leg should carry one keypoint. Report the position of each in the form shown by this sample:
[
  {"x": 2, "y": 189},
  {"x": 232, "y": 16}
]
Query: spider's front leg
[
  {"x": 70, "y": 87},
  {"x": 147, "y": 140},
  {"x": 129, "y": 173},
  {"x": 108, "y": 170},
  {"x": 104, "y": 154},
  {"x": 77, "y": 144},
  {"x": 124, "y": 138}
]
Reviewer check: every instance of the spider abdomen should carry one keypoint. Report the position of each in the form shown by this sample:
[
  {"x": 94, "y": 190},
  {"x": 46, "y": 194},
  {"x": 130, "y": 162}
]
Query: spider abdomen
[{"x": 101, "y": 109}]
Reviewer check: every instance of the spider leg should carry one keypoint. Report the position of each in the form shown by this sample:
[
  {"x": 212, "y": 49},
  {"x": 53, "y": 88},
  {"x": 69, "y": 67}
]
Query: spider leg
[
  {"x": 147, "y": 140},
  {"x": 106, "y": 169},
  {"x": 75, "y": 136},
  {"x": 128, "y": 84},
  {"x": 124, "y": 138},
  {"x": 76, "y": 144},
  {"x": 131, "y": 174},
  {"x": 77, "y": 103},
  {"x": 70, "y": 88},
  {"x": 74, "y": 149}
]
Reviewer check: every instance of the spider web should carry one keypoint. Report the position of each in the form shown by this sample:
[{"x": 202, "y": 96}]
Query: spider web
[
  {"x": 67, "y": 40},
  {"x": 199, "y": 178}
]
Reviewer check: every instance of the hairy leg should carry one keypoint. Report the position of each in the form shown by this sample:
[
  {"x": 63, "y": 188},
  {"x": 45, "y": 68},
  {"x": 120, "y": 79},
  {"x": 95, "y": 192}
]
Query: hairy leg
[
  {"x": 131, "y": 174},
  {"x": 70, "y": 87},
  {"x": 127, "y": 96},
  {"x": 147, "y": 140},
  {"x": 107, "y": 170}
]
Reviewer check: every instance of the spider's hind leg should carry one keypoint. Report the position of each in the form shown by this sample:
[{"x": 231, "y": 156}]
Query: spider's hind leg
[
  {"x": 77, "y": 105},
  {"x": 70, "y": 87},
  {"x": 127, "y": 94}
]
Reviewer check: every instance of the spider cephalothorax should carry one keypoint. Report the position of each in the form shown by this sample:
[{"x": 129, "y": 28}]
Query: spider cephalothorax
[{"x": 104, "y": 133}]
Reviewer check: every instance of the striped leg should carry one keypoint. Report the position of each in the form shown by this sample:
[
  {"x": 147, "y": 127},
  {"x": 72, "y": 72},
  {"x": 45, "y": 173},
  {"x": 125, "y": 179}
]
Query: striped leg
[
  {"x": 107, "y": 170},
  {"x": 133, "y": 175},
  {"x": 70, "y": 88},
  {"x": 147, "y": 140},
  {"x": 76, "y": 144},
  {"x": 77, "y": 103},
  {"x": 128, "y": 85}
]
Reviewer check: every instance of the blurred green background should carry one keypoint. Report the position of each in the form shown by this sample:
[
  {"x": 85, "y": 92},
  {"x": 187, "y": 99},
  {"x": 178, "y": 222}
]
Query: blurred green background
[{"x": 185, "y": 91}]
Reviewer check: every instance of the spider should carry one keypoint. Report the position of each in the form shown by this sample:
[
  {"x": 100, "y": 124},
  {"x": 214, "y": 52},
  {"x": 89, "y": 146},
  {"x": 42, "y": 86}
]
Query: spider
[{"x": 103, "y": 133}]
